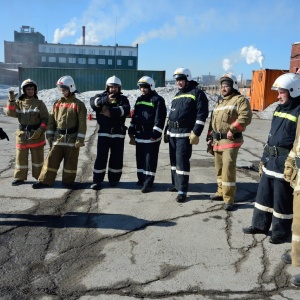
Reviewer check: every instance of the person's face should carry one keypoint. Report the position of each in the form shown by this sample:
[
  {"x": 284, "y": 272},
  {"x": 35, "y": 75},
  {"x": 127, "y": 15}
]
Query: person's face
[
  {"x": 225, "y": 90},
  {"x": 113, "y": 89},
  {"x": 29, "y": 91},
  {"x": 181, "y": 83},
  {"x": 283, "y": 96},
  {"x": 144, "y": 90},
  {"x": 64, "y": 91}
]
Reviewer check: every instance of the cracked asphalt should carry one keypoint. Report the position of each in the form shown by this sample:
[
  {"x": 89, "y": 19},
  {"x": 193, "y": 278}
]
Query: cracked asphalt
[{"x": 118, "y": 243}]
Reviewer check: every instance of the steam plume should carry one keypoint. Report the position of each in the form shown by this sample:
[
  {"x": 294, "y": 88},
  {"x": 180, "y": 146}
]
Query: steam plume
[
  {"x": 68, "y": 30},
  {"x": 252, "y": 55}
]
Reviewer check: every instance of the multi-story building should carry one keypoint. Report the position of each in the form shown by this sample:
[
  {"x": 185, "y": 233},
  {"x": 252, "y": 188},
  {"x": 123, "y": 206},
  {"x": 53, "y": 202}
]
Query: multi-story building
[
  {"x": 31, "y": 50},
  {"x": 295, "y": 58}
]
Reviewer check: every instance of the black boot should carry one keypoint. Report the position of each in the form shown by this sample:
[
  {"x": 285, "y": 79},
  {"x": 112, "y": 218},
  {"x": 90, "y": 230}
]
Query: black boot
[
  {"x": 296, "y": 280},
  {"x": 286, "y": 258},
  {"x": 254, "y": 230}
]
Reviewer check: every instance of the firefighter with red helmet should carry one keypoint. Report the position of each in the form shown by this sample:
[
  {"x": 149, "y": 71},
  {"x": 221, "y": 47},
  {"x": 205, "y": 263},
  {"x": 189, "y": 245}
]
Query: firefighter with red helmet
[
  {"x": 229, "y": 119},
  {"x": 32, "y": 115},
  {"x": 111, "y": 108},
  {"x": 65, "y": 133}
]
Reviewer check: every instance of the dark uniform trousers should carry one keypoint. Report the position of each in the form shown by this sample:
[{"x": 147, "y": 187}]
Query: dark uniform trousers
[
  {"x": 115, "y": 165},
  {"x": 274, "y": 204},
  {"x": 37, "y": 159},
  {"x": 180, "y": 151},
  {"x": 51, "y": 165},
  {"x": 146, "y": 157}
]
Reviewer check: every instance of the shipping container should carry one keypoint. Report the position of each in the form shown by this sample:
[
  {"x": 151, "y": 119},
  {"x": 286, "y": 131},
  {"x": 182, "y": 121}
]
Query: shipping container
[
  {"x": 88, "y": 79},
  {"x": 261, "y": 95}
]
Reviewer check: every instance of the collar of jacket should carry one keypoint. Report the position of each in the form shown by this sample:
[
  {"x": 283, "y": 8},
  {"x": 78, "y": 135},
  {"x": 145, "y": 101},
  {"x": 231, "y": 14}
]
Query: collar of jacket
[{"x": 69, "y": 99}]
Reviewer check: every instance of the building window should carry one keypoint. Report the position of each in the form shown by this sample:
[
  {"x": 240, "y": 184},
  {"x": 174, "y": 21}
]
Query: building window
[
  {"x": 119, "y": 52},
  {"x": 52, "y": 59},
  {"x": 92, "y": 51},
  {"x": 81, "y": 51},
  {"x": 43, "y": 49},
  {"x": 62, "y": 60},
  {"x": 130, "y": 63},
  {"x": 52, "y": 50},
  {"x": 101, "y": 52},
  {"x": 72, "y": 60},
  {"x": 91, "y": 61},
  {"x": 61, "y": 50},
  {"x": 72, "y": 51},
  {"x": 110, "y": 52},
  {"x": 44, "y": 59},
  {"x": 130, "y": 53},
  {"x": 82, "y": 61},
  {"x": 109, "y": 61},
  {"x": 101, "y": 61},
  {"x": 119, "y": 62}
]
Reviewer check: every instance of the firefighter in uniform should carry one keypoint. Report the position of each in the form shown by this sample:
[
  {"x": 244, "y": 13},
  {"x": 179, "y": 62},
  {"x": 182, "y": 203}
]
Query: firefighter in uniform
[
  {"x": 3, "y": 135},
  {"x": 145, "y": 131},
  {"x": 189, "y": 110},
  {"x": 65, "y": 133},
  {"x": 32, "y": 115},
  {"x": 229, "y": 119},
  {"x": 292, "y": 175},
  {"x": 274, "y": 199},
  {"x": 111, "y": 108}
]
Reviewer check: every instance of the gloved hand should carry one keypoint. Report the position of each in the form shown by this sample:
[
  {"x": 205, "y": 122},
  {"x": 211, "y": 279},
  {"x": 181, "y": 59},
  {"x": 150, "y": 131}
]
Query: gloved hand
[
  {"x": 12, "y": 96},
  {"x": 209, "y": 138},
  {"x": 194, "y": 139},
  {"x": 132, "y": 140},
  {"x": 79, "y": 144},
  {"x": 210, "y": 148},
  {"x": 50, "y": 141},
  {"x": 260, "y": 168},
  {"x": 3, "y": 135},
  {"x": 166, "y": 138},
  {"x": 288, "y": 171},
  {"x": 37, "y": 133},
  {"x": 155, "y": 135},
  {"x": 131, "y": 130}
]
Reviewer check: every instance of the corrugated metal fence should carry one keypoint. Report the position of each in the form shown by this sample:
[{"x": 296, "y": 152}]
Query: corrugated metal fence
[{"x": 88, "y": 79}]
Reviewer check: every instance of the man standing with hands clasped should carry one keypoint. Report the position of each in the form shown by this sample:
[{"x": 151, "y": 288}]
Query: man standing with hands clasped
[{"x": 229, "y": 119}]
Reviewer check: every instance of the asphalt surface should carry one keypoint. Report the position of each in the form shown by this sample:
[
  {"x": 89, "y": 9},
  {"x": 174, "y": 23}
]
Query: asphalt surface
[{"x": 118, "y": 243}]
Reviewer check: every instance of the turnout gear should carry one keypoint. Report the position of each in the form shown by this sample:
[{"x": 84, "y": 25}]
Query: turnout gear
[
  {"x": 147, "y": 81},
  {"x": 111, "y": 116},
  {"x": 182, "y": 73},
  {"x": 274, "y": 199},
  {"x": 147, "y": 125},
  {"x": 232, "y": 113},
  {"x": 66, "y": 82},
  {"x": 3, "y": 135},
  {"x": 32, "y": 115},
  {"x": 189, "y": 110},
  {"x": 231, "y": 78},
  {"x": 66, "y": 127},
  {"x": 290, "y": 82}
]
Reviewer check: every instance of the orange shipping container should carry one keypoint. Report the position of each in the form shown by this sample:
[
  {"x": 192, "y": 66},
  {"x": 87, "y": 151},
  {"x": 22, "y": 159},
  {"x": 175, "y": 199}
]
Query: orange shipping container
[{"x": 261, "y": 95}]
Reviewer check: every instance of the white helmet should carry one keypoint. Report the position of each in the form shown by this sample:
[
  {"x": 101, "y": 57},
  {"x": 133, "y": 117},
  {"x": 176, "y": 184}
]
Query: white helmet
[
  {"x": 113, "y": 80},
  {"x": 182, "y": 73},
  {"x": 28, "y": 82},
  {"x": 230, "y": 77},
  {"x": 290, "y": 82},
  {"x": 146, "y": 80},
  {"x": 66, "y": 82}
]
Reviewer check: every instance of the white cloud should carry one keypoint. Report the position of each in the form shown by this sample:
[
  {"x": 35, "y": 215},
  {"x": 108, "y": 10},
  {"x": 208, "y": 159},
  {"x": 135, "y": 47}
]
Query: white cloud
[{"x": 227, "y": 64}]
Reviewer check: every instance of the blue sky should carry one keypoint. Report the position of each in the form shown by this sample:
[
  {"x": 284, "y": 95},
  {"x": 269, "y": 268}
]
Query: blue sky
[{"x": 206, "y": 36}]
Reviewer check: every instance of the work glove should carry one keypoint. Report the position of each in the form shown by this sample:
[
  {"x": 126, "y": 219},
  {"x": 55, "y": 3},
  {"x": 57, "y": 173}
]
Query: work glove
[
  {"x": 36, "y": 134},
  {"x": 210, "y": 147},
  {"x": 50, "y": 141},
  {"x": 260, "y": 168},
  {"x": 132, "y": 140},
  {"x": 194, "y": 139},
  {"x": 12, "y": 96},
  {"x": 79, "y": 144},
  {"x": 288, "y": 171},
  {"x": 3, "y": 135}
]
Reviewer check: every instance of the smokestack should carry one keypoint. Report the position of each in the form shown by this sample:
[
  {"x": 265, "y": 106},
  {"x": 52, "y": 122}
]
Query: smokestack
[{"x": 83, "y": 35}]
